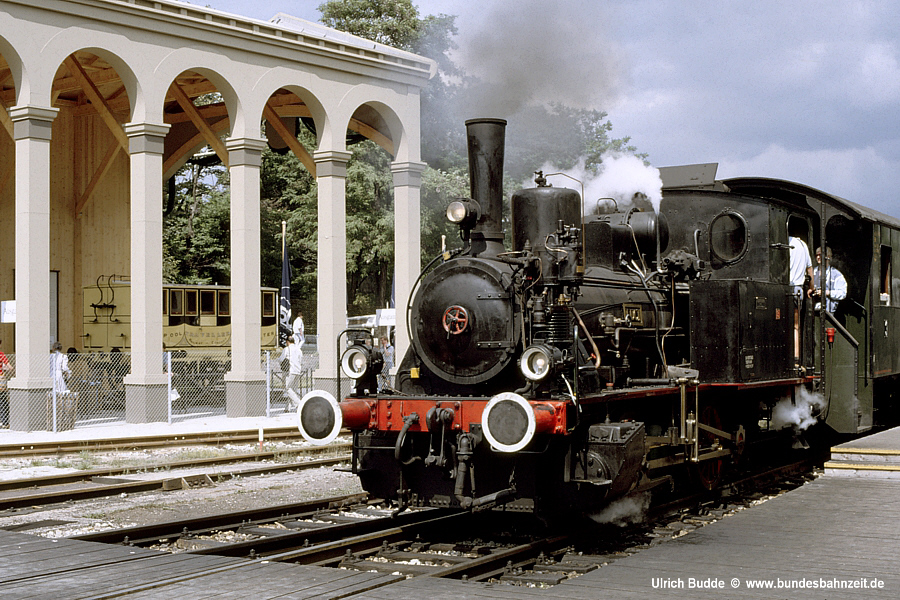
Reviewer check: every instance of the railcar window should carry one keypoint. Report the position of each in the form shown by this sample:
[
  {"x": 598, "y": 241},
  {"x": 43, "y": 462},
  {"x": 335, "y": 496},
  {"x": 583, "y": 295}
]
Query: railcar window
[
  {"x": 176, "y": 302},
  {"x": 190, "y": 302},
  {"x": 268, "y": 304},
  {"x": 728, "y": 236},
  {"x": 208, "y": 302},
  {"x": 885, "y": 296},
  {"x": 165, "y": 302},
  {"x": 224, "y": 303}
]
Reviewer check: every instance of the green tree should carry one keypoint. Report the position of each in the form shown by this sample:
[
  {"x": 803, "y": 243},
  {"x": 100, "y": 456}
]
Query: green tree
[
  {"x": 288, "y": 193},
  {"x": 560, "y": 135},
  {"x": 196, "y": 242},
  {"x": 392, "y": 22},
  {"x": 438, "y": 188},
  {"x": 370, "y": 229}
]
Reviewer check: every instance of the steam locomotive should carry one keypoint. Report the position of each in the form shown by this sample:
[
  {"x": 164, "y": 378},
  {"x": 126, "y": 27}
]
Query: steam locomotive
[{"x": 613, "y": 348}]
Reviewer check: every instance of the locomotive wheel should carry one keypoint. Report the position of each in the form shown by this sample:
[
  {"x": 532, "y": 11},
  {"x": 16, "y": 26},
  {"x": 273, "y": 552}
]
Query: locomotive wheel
[{"x": 708, "y": 473}]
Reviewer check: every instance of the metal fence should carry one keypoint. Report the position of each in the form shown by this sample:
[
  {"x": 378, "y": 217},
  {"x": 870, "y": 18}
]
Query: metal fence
[{"x": 89, "y": 389}]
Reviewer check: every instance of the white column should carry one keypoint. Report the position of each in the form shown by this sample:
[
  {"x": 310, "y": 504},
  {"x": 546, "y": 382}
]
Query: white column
[
  {"x": 245, "y": 394},
  {"x": 407, "y": 243},
  {"x": 146, "y": 384},
  {"x": 32, "y": 129},
  {"x": 331, "y": 318}
]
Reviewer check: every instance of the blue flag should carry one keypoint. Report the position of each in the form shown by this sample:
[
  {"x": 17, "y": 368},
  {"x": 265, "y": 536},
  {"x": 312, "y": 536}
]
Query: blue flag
[{"x": 284, "y": 312}]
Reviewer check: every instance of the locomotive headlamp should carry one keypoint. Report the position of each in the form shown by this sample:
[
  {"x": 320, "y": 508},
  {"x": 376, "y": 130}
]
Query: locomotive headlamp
[
  {"x": 463, "y": 212},
  {"x": 363, "y": 364},
  {"x": 355, "y": 361},
  {"x": 539, "y": 361}
]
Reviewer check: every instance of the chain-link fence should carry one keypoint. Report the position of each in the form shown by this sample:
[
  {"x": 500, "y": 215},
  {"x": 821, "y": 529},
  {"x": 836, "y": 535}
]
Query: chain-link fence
[
  {"x": 7, "y": 368},
  {"x": 88, "y": 389}
]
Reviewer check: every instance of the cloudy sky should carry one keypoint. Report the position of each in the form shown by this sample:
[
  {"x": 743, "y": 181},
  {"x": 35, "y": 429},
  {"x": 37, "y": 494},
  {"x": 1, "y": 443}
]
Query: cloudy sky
[{"x": 802, "y": 90}]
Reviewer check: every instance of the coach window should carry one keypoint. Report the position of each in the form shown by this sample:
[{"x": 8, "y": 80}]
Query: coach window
[
  {"x": 224, "y": 303},
  {"x": 885, "y": 295},
  {"x": 728, "y": 237},
  {"x": 176, "y": 302},
  {"x": 190, "y": 303},
  {"x": 208, "y": 303},
  {"x": 268, "y": 304},
  {"x": 165, "y": 302}
]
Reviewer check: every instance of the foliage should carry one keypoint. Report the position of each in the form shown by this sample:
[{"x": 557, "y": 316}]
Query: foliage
[
  {"x": 560, "y": 135},
  {"x": 438, "y": 188},
  {"x": 370, "y": 229},
  {"x": 288, "y": 192},
  {"x": 391, "y": 22},
  {"x": 196, "y": 230}
]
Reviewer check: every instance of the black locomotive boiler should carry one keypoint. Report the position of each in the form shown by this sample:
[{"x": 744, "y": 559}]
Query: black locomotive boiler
[{"x": 603, "y": 353}]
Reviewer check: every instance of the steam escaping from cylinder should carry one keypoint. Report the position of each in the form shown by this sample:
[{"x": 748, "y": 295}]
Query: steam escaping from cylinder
[
  {"x": 799, "y": 414},
  {"x": 623, "y": 177},
  {"x": 624, "y": 511}
]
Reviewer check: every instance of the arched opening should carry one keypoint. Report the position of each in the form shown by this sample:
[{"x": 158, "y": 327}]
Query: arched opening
[
  {"x": 89, "y": 191},
  {"x": 196, "y": 245},
  {"x": 370, "y": 210},
  {"x": 7, "y": 194},
  {"x": 288, "y": 193}
]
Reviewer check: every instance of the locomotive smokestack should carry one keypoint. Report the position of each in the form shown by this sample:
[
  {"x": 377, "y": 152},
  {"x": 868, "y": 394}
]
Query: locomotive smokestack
[{"x": 486, "y": 139}]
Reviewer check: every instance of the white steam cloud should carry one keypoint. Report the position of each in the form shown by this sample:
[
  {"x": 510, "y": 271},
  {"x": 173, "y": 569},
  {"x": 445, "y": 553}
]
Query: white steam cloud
[
  {"x": 624, "y": 511},
  {"x": 623, "y": 177},
  {"x": 800, "y": 414}
]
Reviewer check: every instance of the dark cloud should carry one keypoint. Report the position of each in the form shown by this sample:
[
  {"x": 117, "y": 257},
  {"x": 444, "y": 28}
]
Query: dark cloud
[{"x": 535, "y": 52}]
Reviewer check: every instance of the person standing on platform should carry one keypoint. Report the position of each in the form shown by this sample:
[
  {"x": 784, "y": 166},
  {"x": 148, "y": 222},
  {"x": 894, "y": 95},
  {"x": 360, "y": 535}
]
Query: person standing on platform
[
  {"x": 61, "y": 370},
  {"x": 387, "y": 352},
  {"x": 299, "y": 329},
  {"x": 5, "y": 370},
  {"x": 294, "y": 355}
]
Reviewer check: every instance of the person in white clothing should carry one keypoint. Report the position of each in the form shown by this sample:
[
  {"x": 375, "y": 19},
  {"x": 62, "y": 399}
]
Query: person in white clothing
[
  {"x": 387, "y": 351},
  {"x": 298, "y": 328},
  {"x": 835, "y": 283},
  {"x": 294, "y": 355},
  {"x": 60, "y": 366},
  {"x": 801, "y": 263},
  {"x": 801, "y": 276}
]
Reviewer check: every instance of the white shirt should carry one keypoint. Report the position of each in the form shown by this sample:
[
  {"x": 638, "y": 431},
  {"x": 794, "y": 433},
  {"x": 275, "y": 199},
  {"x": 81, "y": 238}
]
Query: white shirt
[
  {"x": 60, "y": 366},
  {"x": 294, "y": 354},
  {"x": 299, "y": 330},
  {"x": 800, "y": 261},
  {"x": 835, "y": 286}
]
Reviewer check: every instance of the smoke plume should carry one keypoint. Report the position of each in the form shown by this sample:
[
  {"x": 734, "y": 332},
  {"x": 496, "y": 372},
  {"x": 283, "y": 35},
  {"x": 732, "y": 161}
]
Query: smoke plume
[
  {"x": 801, "y": 413},
  {"x": 534, "y": 52},
  {"x": 624, "y": 511},
  {"x": 623, "y": 177}
]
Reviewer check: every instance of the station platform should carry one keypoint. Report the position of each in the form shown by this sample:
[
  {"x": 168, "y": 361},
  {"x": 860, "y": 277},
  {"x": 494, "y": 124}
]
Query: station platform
[
  {"x": 834, "y": 538},
  {"x": 36, "y": 567},
  {"x": 210, "y": 424},
  {"x": 874, "y": 456}
]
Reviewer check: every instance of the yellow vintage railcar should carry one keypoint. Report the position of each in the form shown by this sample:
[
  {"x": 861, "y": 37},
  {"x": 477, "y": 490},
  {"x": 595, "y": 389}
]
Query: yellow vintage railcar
[{"x": 195, "y": 317}]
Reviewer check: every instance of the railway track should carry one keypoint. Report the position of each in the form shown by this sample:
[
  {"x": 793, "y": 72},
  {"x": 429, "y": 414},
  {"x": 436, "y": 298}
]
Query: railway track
[
  {"x": 351, "y": 532},
  {"x": 97, "y": 483},
  {"x": 342, "y": 532},
  {"x": 282, "y": 434}
]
